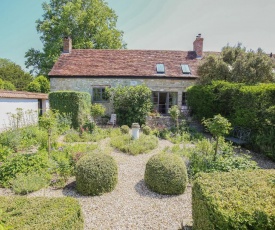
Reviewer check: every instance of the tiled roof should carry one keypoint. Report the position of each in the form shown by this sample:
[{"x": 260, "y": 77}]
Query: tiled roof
[
  {"x": 122, "y": 63},
  {"x": 22, "y": 94}
]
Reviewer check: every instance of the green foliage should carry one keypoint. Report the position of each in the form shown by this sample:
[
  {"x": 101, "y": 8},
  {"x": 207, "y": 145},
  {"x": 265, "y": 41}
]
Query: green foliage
[
  {"x": 97, "y": 110},
  {"x": 91, "y": 24},
  {"x": 79, "y": 109},
  {"x": 125, "y": 129},
  {"x": 146, "y": 130},
  {"x": 245, "y": 106},
  {"x": 13, "y": 73},
  {"x": 126, "y": 144},
  {"x": 6, "y": 85},
  {"x": 175, "y": 113},
  {"x": 85, "y": 136},
  {"x": 213, "y": 68},
  {"x": 40, "y": 85},
  {"x": 218, "y": 126},
  {"x": 22, "y": 163},
  {"x": 4, "y": 152},
  {"x": 42, "y": 213},
  {"x": 201, "y": 158},
  {"x": 235, "y": 200},
  {"x": 131, "y": 103},
  {"x": 27, "y": 183},
  {"x": 166, "y": 174},
  {"x": 237, "y": 65},
  {"x": 96, "y": 173}
]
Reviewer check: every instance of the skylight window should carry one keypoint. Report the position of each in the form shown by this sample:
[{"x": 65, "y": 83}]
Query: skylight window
[
  {"x": 185, "y": 69},
  {"x": 160, "y": 68}
]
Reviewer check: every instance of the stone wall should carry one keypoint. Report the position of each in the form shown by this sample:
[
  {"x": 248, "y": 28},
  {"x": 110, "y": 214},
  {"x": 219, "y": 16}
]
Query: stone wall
[{"x": 87, "y": 84}]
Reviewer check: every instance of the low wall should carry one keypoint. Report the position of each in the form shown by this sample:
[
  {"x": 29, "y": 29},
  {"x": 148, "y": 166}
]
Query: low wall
[{"x": 160, "y": 122}]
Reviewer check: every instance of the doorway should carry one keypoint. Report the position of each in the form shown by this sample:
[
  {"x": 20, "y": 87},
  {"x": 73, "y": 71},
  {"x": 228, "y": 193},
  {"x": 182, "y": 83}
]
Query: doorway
[{"x": 164, "y": 100}]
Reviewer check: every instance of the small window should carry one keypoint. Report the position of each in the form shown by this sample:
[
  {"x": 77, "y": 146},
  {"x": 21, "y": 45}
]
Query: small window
[
  {"x": 100, "y": 95},
  {"x": 160, "y": 68},
  {"x": 185, "y": 69}
]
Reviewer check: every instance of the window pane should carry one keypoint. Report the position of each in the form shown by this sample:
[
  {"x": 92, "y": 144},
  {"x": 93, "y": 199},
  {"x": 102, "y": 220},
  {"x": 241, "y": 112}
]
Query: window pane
[
  {"x": 160, "y": 68},
  {"x": 185, "y": 69}
]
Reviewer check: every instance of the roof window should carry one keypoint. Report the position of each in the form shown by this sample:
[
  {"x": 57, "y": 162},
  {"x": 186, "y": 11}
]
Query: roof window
[
  {"x": 185, "y": 69},
  {"x": 160, "y": 68}
]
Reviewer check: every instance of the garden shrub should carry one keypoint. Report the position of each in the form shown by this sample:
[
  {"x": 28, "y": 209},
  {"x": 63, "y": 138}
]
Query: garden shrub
[
  {"x": 41, "y": 213},
  {"x": 27, "y": 183},
  {"x": 22, "y": 163},
  {"x": 131, "y": 103},
  {"x": 201, "y": 158},
  {"x": 166, "y": 174},
  {"x": 146, "y": 130},
  {"x": 126, "y": 144},
  {"x": 4, "y": 152},
  {"x": 79, "y": 109},
  {"x": 96, "y": 173},
  {"x": 125, "y": 129},
  {"x": 235, "y": 200},
  {"x": 245, "y": 106}
]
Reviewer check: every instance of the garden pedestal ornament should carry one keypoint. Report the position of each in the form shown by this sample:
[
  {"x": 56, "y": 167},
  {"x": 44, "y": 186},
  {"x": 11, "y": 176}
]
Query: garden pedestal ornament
[{"x": 135, "y": 131}]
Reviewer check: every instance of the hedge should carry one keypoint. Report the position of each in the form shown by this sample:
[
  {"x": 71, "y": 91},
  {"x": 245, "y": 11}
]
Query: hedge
[
  {"x": 236, "y": 200},
  {"x": 244, "y": 106},
  {"x": 77, "y": 104},
  {"x": 41, "y": 213}
]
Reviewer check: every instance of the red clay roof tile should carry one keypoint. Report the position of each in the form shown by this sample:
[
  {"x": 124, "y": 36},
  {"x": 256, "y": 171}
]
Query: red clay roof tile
[
  {"x": 122, "y": 63},
  {"x": 22, "y": 94}
]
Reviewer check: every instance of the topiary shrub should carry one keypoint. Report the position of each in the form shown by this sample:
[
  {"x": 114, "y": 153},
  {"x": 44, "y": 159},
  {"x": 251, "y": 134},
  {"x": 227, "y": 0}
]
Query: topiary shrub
[
  {"x": 146, "y": 130},
  {"x": 96, "y": 174},
  {"x": 166, "y": 174},
  {"x": 125, "y": 129}
]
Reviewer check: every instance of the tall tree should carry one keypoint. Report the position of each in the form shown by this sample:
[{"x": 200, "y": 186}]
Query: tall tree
[
  {"x": 90, "y": 23},
  {"x": 235, "y": 64},
  {"x": 13, "y": 73}
]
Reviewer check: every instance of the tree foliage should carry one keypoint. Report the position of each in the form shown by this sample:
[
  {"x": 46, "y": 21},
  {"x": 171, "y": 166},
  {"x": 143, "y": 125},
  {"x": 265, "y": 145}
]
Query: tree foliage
[
  {"x": 90, "y": 23},
  {"x": 131, "y": 103},
  {"x": 235, "y": 64},
  {"x": 6, "y": 85},
  {"x": 13, "y": 73},
  {"x": 40, "y": 85}
]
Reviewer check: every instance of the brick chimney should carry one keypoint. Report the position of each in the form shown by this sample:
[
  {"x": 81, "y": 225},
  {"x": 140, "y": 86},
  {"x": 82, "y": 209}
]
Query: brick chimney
[
  {"x": 67, "y": 45},
  {"x": 198, "y": 46}
]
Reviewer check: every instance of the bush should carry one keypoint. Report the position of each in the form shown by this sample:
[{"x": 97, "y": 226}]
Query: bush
[
  {"x": 41, "y": 213},
  {"x": 131, "y": 104},
  {"x": 4, "y": 153},
  {"x": 235, "y": 200},
  {"x": 27, "y": 183},
  {"x": 79, "y": 109},
  {"x": 97, "y": 110},
  {"x": 146, "y": 130},
  {"x": 134, "y": 147},
  {"x": 96, "y": 173},
  {"x": 125, "y": 129},
  {"x": 201, "y": 158},
  {"x": 245, "y": 106},
  {"x": 22, "y": 163},
  {"x": 166, "y": 174}
]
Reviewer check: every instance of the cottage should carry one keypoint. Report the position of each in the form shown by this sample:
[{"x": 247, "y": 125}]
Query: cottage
[{"x": 166, "y": 73}]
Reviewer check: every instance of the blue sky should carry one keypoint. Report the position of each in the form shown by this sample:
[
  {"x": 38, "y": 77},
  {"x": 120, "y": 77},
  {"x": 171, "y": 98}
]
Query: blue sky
[{"x": 155, "y": 24}]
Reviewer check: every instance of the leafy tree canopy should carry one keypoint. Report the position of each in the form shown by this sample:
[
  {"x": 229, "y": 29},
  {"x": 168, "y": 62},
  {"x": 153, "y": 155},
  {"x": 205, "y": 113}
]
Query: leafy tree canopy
[
  {"x": 235, "y": 64},
  {"x": 40, "y": 85},
  {"x": 6, "y": 85},
  {"x": 13, "y": 73},
  {"x": 90, "y": 24}
]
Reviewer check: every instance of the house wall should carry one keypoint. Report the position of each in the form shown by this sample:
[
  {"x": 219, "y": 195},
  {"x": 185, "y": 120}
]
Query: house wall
[{"x": 87, "y": 84}]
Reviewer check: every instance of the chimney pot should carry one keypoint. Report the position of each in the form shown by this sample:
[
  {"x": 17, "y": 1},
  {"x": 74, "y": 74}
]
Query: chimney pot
[
  {"x": 67, "y": 44},
  {"x": 198, "y": 46}
]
